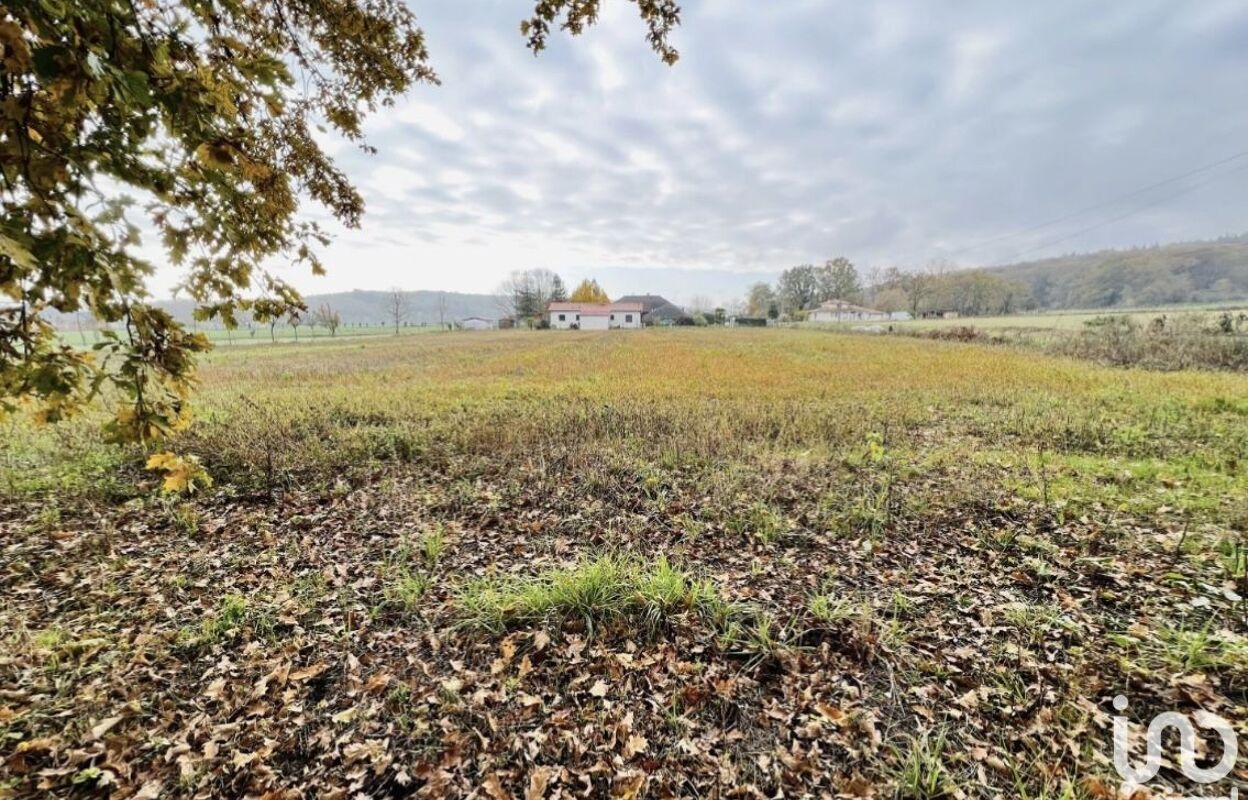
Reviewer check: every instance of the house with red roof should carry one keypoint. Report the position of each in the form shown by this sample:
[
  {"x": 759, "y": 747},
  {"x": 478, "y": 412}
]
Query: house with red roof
[{"x": 594, "y": 316}]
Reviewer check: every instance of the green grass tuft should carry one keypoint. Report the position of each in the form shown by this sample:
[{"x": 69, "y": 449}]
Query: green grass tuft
[
  {"x": 922, "y": 774},
  {"x": 596, "y": 592}
]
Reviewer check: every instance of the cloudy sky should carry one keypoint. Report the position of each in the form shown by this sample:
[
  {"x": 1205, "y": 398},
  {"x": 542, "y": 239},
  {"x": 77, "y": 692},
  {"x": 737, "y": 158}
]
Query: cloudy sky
[{"x": 889, "y": 131}]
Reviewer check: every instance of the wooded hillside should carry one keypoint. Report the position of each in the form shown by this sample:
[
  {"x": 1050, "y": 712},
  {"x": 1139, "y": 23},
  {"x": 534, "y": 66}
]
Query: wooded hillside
[{"x": 1187, "y": 272}]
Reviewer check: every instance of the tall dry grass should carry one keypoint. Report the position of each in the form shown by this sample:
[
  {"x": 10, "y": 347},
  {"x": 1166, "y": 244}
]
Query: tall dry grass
[{"x": 708, "y": 395}]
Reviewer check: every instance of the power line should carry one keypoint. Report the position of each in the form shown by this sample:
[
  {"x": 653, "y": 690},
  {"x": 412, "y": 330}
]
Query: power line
[
  {"x": 1132, "y": 212},
  {"x": 1105, "y": 204}
]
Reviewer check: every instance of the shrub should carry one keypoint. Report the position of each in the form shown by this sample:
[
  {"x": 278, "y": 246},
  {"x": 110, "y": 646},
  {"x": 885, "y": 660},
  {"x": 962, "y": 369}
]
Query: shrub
[
  {"x": 1177, "y": 342},
  {"x": 959, "y": 333}
]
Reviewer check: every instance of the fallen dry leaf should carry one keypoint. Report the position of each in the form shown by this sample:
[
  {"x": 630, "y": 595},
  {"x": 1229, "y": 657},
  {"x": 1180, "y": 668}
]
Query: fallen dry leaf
[
  {"x": 538, "y": 780},
  {"x": 104, "y": 726}
]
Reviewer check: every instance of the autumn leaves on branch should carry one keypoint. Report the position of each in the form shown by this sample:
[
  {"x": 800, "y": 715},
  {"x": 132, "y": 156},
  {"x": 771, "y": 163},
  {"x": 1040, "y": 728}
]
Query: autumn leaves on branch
[{"x": 194, "y": 124}]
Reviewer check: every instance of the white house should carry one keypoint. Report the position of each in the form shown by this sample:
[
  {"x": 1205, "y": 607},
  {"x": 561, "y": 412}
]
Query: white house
[
  {"x": 594, "y": 316},
  {"x": 842, "y": 311},
  {"x": 476, "y": 324}
]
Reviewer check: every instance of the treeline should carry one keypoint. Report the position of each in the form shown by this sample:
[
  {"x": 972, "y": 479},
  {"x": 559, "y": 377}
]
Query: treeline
[
  {"x": 526, "y": 293},
  {"x": 937, "y": 289},
  {"x": 1188, "y": 272},
  {"x": 968, "y": 293},
  {"x": 804, "y": 287},
  {"x": 1144, "y": 277}
]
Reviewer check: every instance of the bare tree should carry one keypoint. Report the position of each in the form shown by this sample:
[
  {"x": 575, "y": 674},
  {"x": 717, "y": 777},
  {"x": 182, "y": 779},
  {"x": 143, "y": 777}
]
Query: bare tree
[
  {"x": 917, "y": 287},
  {"x": 701, "y": 304},
  {"x": 328, "y": 318},
  {"x": 875, "y": 279},
  {"x": 545, "y": 285},
  {"x": 398, "y": 307},
  {"x": 920, "y": 286},
  {"x": 442, "y": 309},
  {"x": 526, "y": 293},
  {"x": 760, "y": 299},
  {"x": 508, "y": 295}
]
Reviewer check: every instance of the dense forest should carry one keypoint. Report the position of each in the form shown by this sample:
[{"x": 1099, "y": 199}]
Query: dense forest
[{"x": 1187, "y": 272}]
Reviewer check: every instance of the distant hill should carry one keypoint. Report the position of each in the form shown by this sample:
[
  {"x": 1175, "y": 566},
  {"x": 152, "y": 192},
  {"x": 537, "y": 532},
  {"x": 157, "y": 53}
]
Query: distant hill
[
  {"x": 1187, "y": 272},
  {"x": 361, "y": 307},
  {"x": 366, "y": 307}
]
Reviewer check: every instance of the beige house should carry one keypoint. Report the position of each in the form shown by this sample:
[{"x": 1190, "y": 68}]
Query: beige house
[{"x": 843, "y": 311}]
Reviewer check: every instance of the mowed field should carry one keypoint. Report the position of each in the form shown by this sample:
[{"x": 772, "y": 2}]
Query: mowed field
[{"x": 663, "y": 563}]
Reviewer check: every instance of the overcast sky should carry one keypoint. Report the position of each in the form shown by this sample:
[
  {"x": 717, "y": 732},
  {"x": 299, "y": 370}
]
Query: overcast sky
[{"x": 889, "y": 131}]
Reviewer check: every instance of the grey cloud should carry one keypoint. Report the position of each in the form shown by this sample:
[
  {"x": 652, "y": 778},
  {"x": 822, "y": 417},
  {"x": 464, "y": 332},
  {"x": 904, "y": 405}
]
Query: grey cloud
[{"x": 891, "y": 132}]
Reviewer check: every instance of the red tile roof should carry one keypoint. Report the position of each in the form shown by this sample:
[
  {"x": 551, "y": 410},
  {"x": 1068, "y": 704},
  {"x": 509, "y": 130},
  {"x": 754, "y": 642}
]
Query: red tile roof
[{"x": 596, "y": 309}]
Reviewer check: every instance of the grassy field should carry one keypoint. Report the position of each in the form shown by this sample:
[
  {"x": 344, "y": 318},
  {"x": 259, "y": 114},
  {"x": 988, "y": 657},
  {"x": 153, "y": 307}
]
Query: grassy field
[
  {"x": 1064, "y": 320},
  {"x": 687, "y": 562}
]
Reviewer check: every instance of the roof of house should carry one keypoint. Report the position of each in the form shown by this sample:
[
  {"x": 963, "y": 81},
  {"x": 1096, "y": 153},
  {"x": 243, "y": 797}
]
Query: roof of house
[
  {"x": 649, "y": 302},
  {"x": 596, "y": 309},
  {"x": 666, "y": 311},
  {"x": 845, "y": 307}
]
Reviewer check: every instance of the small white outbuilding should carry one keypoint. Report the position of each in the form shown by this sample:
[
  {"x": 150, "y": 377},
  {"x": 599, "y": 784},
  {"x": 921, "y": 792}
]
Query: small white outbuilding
[{"x": 476, "y": 324}]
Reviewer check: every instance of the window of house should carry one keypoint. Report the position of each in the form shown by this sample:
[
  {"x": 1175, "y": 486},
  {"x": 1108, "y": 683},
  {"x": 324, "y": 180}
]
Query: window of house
[
  {"x": 628, "y": 317},
  {"x": 563, "y": 318}
]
